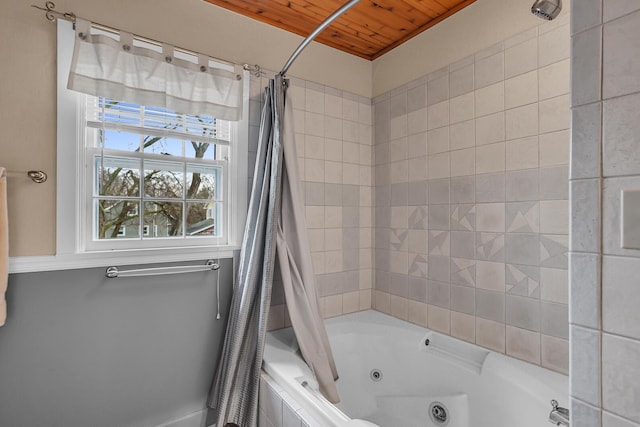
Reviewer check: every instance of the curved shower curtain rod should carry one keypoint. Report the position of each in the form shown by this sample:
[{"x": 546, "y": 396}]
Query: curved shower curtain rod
[{"x": 315, "y": 32}]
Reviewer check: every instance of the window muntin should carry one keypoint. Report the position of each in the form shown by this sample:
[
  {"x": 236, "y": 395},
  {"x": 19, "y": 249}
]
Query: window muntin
[{"x": 158, "y": 178}]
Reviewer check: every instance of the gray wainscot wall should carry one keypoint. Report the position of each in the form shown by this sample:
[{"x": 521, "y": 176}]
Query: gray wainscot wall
[{"x": 80, "y": 350}]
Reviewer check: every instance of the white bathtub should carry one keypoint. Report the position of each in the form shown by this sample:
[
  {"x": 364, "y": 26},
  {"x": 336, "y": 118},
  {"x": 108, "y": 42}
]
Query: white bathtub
[{"x": 475, "y": 386}]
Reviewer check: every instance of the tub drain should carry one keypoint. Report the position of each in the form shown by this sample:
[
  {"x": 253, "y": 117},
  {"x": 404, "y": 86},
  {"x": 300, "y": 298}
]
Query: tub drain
[
  {"x": 439, "y": 414},
  {"x": 376, "y": 375}
]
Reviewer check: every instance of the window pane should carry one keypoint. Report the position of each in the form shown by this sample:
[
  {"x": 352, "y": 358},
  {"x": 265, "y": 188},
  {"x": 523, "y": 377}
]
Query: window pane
[
  {"x": 201, "y": 181},
  {"x": 117, "y": 177},
  {"x": 114, "y": 140},
  {"x": 199, "y": 150},
  {"x": 163, "y": 179},
  {"x": 160, "y": 145},
  {"x": 118, "y": 219},
  {"x": 163, "y": 218},
  {"x": 201, "y": 219},
  {"x": 118, "y": 112}
]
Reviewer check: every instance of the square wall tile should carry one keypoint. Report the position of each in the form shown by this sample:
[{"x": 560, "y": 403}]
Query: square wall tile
[
  {"x": 523, "y": 217},
  {"x": 521, "y": 90},
  {"x": 462, "y": 135},
  {"x": 620, "y": 296},
  {"x": 489, "y": 100},
  {"x": 462, "y": 108},
  {"x": 490, "y": 276},
  {"x": 439, "y": 319},
  {"x": 523, "y": 312},
  {"x": 620, "y": 373},
  {"x": 586, "y": 65},
  {"x": 522, "y": 153},
  {"x": 621, "y": 63},
  {"x": 461, "y": 80},
  {"x": 585, "y": 415},
  {"x": 586, "y": 141},
  {"x": 554, "y": 183},
  {"x": 584, "y": 285},
  {"x": 554, "y": 319},
  {"x": 490, "y": 334},
  {"x": 585, "y": 365},
  {"x": 521, "y": 58},
  {"x": 621, "y": 136},
  {"x": 489, "y": 70},
  {"x": 616, "y": 8},
  {"x": 554, "y": 285},
  {"x": 554, "y": 148},
  {"x": 490, "y": 158},
  {"x": 555, "y": 353},
  {"x": 523, "y": 344},
  {"x": 490, "y": 305},
  {"x": 553, "y": 46},
  {"x": 585, "y": 215},
  {"x": 490, "y": 187},
  {"x": 463, "y": 326},
  {"x": 554, "y": 79},
  {"x": 438, "y": 90},
  {"x": 521, "y": 122},
  {"x": 463, "y": 162},
  {"x": 522, "y": 249},
  {"x": 554, "y": 216},
  {"x": 490, "y": 217},
  {"x": 587, "y": 16},
  {"x": 491, "y": 128},
  {"x": 554, "y": 114},
  {"x": 522, "y": 185},
  {"x": 611, "y": 420}
]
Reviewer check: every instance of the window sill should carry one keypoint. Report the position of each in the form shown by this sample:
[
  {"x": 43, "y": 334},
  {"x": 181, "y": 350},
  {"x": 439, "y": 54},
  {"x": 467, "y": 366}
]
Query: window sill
[{"x": 29, "y": 264}]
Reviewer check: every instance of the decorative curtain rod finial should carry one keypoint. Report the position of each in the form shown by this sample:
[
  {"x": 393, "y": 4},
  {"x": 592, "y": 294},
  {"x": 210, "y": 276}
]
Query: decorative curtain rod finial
[{"x": 52, "y": 15}]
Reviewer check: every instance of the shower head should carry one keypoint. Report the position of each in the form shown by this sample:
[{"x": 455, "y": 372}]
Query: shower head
[{"x": 547, "y": 9}]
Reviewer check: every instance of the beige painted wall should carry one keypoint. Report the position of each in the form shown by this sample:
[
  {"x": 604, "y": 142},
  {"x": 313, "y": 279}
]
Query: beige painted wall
[
  {"x": 483, "y": 24},
  {"x": 28, "y": 83}
]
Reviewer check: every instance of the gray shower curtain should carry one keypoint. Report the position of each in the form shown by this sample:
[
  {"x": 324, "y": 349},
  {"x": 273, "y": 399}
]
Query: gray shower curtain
[{"x": 275, "y": 225}]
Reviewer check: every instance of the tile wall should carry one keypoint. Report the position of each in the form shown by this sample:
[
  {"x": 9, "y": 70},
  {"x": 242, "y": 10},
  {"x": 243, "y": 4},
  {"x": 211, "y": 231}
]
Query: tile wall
[
  {"x": 334, "y": 146},
  {"x": 605, "y": 160},
  {"x": 471, "y": 198}
]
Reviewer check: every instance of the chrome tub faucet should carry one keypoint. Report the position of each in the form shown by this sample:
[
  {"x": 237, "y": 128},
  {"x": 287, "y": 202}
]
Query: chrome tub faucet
[{"x": 558, "y": 415}]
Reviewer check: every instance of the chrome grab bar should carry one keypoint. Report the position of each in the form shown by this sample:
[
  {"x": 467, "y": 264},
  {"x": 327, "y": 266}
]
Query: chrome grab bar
[{"x": 114, "y": 272}]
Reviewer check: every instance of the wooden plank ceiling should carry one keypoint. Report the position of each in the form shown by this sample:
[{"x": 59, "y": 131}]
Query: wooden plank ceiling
[{"x": 368, "y": 30}]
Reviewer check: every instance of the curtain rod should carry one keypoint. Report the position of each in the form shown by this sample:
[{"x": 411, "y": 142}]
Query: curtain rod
[
  {"x": 52, "y": 15},
  {"x": 315, "y": 32}
]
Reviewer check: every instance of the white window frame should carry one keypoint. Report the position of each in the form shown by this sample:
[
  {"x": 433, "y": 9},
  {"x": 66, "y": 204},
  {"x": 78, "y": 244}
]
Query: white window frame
[
  {"x": 88, "y": 214},
  {"x": 70, "y": 251}
]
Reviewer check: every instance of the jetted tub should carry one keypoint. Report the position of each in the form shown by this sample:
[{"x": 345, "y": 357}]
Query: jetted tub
[{"x": 394, "y": 373}]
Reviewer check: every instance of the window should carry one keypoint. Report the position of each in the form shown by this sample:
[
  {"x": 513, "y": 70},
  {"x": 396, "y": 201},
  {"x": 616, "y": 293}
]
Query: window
[
  {"x": 152, "y": 167},
  {"x": 137, "y": 177}
]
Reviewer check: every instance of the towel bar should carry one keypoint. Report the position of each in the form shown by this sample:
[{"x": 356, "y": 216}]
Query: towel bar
[{"x": 114, "y": 272}]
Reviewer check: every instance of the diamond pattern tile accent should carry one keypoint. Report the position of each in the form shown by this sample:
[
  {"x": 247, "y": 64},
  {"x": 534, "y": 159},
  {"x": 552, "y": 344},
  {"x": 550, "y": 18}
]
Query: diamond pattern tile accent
[
  {"x": 463, "y": 217},
  {"x": 399, "y": 239},
  {"x": 523, "y": 217},
  {"x": 463, "y": 271},
  {"x": 418, "y": 217},
  {"x": 418, "y": 266},
  {"x": 553, "y": 251},
  {"x": 490, "y": 246},
  {"x": 439, "y": 243},
  {"x": 523, "y": 280}
]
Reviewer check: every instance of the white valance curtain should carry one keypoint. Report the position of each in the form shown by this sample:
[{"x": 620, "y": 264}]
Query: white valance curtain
[{"x": 127, "y": 70}]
